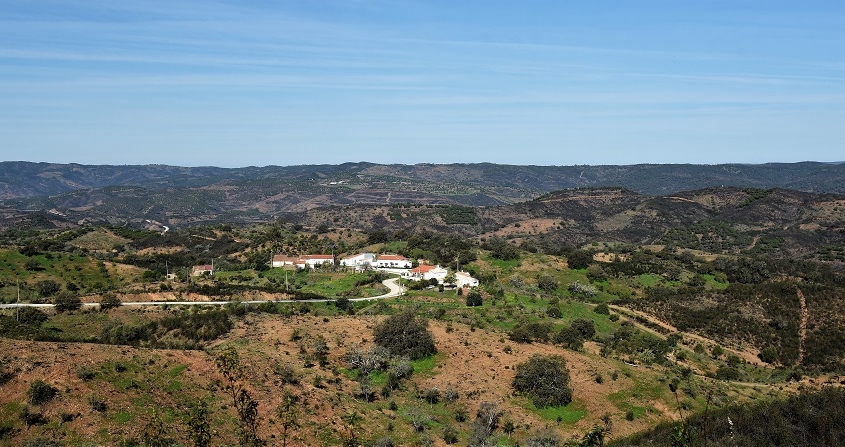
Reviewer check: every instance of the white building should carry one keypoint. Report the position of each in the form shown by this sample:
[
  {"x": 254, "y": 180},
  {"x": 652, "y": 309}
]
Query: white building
[
  {"x": 393, "y": 262},
  {"x": 426, "y": 272},
  {"x": 314, "y": 260},
  {"x": 359, "y": 260},
  {"x": 464, "y": 279},
  {"x": 282, "y": 260}
]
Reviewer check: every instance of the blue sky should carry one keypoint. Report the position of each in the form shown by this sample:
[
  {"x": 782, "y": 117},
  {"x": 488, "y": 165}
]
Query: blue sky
[{"x": 248, "y": 83}]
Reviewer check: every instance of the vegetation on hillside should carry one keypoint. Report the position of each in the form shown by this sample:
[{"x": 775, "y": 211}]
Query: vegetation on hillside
[{"x": 706, "y": 321}]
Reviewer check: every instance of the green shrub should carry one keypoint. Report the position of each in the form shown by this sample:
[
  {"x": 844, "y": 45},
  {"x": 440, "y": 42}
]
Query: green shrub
[
  {"x": 570, "y": 337},
  {"x": 544, "y": 380},
  {"x": 602, "y": 309},
  {"x": 587, "y": 328},
  {"x": 405, "y": 334},
  {"x": 97, "y": 403},
  {"x": 547, "y": 283},
  {"x": 109, "y": 301},
  {"x": 85, "y": 374},
  {"x": 31, "y": 316},
  {"x": 66, "y": 301},
  {"x": 450, "y": 434},
  {"x": 528, "y": 332},
  {"x": 473, "y": 299},
  {"x": 40, "y": 392}
]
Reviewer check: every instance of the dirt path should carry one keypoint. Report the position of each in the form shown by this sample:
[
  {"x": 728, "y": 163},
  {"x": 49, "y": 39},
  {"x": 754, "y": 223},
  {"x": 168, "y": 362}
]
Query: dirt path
[
  {"x": 802, "y": 326},
  {"x": 745, "y": 354},
  {"x": 754, "y": 242}
]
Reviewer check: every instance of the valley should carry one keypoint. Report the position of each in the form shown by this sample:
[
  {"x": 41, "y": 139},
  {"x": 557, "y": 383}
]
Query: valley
[{"x": 660, "y": 310}]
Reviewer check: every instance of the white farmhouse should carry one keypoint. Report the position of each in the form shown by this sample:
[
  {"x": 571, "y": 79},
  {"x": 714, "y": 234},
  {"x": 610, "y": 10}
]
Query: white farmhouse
[
  {"x": 464, "y": 279},
  {"x": 388, "y": 261},
  {"x": 359, "y": 260},
  {"x": 314, "y": 260},
  {"x": 282, "y": 260},
  {"x": 426, "y": 272}
]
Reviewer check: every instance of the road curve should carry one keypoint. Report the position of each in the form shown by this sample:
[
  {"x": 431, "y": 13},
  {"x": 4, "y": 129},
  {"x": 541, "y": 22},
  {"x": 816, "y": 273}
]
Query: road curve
[{"x": 392, "y": 284}]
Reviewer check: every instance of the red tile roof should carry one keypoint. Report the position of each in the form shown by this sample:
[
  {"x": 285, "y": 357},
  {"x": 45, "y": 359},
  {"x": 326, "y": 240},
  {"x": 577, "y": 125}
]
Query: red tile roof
[{"x": 424, "y": 268}]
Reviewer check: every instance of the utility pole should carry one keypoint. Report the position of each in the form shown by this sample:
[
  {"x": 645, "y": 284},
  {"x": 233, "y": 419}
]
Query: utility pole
[{"x": 18, "y": 284}]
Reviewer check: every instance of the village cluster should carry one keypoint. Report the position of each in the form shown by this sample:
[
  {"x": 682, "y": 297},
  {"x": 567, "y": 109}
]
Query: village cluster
[
  {"x": 390, "y": 263},
  {"x": 386, "y": 262}
]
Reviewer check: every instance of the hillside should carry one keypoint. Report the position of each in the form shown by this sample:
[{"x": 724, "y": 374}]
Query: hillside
[
  {"x": 687, "y": 329},
  {"x": 194, "y": 195}
]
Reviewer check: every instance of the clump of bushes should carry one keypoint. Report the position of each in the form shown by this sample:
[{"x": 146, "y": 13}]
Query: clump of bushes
[
  {"x": 544, "y": 380},
  {"x": 405, "y": 334},
  {"x": 40, "y": 392}
]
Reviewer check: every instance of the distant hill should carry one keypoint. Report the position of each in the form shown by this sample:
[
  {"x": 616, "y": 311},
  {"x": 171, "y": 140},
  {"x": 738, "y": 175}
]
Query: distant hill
[
  {"x": 43, "y": 194},
  {"x": 723, "y": 219}
]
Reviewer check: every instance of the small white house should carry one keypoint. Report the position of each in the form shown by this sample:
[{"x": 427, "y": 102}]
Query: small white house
[
  {"x": 359, "y": 260},
  {"x": 314, "y": 260},
  {"x": 200, "y": 270},
  {"x": 426, "y": 272},
  {"x": 388, "y": 261},
  {"x": 282, "y": 260},
  {"x": 464, "y": 279}
]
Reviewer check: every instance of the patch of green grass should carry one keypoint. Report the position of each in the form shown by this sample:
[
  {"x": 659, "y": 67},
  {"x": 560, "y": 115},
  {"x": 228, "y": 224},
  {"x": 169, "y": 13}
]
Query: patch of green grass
[
  {"x": 648, "y": 280},
  {"x": 504, "y": 264},
  {"x": 425, "y": 365},
  {"x": 645, "y": 389},
  {"x": 351, "y": 374},
  {"x": 394, "y": 246},
  {"x": 123, "y": 417},
  {"x": 568, "y": 414},
  {"x": 378, "y": 378},
  {"x": 711, "y": 283},
  {"x": 173, "y": 386},
  {"x": 177, "y": 370},
  {"x": 79, "y": 325}
]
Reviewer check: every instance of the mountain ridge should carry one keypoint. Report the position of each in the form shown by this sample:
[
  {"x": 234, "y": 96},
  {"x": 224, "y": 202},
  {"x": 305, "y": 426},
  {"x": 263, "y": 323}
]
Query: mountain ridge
[{"x": 23, "y": 180}]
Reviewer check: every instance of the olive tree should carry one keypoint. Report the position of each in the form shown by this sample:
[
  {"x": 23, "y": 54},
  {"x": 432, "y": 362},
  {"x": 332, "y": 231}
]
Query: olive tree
[
  {"x": 544, "y": 379},
  {"x": 405, "y": 334}
]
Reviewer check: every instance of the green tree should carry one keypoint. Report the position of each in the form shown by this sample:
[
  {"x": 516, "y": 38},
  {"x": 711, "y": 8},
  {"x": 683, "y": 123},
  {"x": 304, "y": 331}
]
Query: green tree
[
  {"x": 602, "y": 309},
  {"x": 405, "y": 334},
  {"x": 40, "y": 392},
  {"x": 586, "y": 327},
  {"x": 48, "y": 287},
  {"x": 579, "y": 259},
  {"x": 109, "y": 301},
  {"x": 544, "y": 379},
  {"x": 501, "y": 249},
  {"x": 199, "y": 425},
  {"x": 229, "y": 365},
  {"x": 473, "y": 299},
  {"x": 66, "y": 301},
  {"x": 156, "y": 434},
  {"x": 288, "y": 415},
  {"x": 570, "y": 337}
]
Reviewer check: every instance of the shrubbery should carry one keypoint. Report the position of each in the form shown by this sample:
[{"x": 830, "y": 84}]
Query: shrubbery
[
  {"x": 544, "y": 380},
  {"x": 40, "y": 391},
  {"x": 473, "y": 299},
  {"x": 405, "y": 334},
  {"x": 66, "y": 301}
]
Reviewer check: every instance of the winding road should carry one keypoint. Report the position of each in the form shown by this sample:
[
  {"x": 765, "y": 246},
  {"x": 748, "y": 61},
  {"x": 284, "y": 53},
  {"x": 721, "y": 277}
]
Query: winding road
[{"x": 392, "y": 284}]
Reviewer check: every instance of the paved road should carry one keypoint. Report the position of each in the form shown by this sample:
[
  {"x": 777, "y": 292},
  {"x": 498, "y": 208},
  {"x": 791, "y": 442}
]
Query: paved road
[{"x": 392, "y": 284}]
